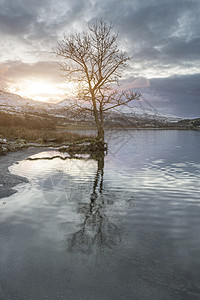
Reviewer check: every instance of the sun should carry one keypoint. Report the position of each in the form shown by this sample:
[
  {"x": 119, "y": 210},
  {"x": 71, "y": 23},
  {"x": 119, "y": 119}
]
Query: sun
[{"x": 42, "y": 90}]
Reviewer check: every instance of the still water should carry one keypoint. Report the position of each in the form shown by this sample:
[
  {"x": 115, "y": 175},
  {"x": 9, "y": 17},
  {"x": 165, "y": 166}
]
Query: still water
[{"x": 123, "y": 227}]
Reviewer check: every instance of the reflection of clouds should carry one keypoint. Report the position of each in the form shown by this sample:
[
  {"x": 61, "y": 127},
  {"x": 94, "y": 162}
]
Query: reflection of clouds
[
  {"x": 58, "y": 190},
  {"x": 61, "y": 181},
  {"x": 79, "y": 169},
  {"x": 156, "y": 178}
]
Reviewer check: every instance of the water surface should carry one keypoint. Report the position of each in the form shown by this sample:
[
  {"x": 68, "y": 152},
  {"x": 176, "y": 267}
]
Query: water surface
[{"x": 123, "y": 227}]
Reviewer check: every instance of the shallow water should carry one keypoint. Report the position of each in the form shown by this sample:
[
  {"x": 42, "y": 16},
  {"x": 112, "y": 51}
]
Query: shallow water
[{"x": 124, "y": 228}]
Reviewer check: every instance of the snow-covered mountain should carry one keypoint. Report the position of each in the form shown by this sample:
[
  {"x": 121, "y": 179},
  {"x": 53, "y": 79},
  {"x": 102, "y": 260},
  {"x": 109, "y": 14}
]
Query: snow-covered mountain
[
  {"x": 12, "y": 103},
  {"x": 147, "y": 113}
]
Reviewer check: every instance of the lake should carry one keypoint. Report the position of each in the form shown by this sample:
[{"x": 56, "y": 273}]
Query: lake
[{"x": 126, "y": 226}]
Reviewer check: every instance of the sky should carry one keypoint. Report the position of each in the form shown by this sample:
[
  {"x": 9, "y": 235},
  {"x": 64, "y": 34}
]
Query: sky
[{"x": 162, "y": 37}]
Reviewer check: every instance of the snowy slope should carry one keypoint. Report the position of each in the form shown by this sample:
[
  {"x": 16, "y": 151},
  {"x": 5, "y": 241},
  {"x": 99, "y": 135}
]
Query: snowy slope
[
  {"x": 148, "y": 113},
  {"x": 13, "y": 103}
]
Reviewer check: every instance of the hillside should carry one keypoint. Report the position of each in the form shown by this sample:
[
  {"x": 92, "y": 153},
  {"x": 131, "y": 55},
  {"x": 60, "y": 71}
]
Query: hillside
[{"x": 62, "y": 113}]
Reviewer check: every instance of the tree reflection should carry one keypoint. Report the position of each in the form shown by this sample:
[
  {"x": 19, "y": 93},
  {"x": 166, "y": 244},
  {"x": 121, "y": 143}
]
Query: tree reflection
[{"x": 96, "y": 234}]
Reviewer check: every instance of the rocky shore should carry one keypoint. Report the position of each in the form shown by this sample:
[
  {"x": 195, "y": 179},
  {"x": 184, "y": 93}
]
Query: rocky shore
[{"x": 7, "y": 146}]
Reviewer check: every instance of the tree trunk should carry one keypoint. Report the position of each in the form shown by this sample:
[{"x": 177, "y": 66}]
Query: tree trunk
[
  {"x": 98, "y": 120},
  {"x": 96, "y": 116},
  {"x": 101, "y": 133},
  {"x": 101, "y": 129}
]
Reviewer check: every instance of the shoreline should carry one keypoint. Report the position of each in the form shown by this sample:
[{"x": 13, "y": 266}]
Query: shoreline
[
  {"x": 133, "y": 128},
  {"x": 7, "y": 180}
]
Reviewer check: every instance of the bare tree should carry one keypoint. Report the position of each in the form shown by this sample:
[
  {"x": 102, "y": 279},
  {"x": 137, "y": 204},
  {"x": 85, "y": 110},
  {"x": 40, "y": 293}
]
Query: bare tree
[{"x": 94, "y": 62}]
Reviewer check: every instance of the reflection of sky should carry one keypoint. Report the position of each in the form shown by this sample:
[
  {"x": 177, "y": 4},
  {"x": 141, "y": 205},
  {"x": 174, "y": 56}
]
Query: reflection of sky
[
  {"x": 76, "y": 168},
  {"x": 139, "y": 147}
]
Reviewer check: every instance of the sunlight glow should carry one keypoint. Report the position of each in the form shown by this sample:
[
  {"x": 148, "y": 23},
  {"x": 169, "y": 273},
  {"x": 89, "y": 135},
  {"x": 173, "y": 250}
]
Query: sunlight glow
[{"x": 42, "y": 90}]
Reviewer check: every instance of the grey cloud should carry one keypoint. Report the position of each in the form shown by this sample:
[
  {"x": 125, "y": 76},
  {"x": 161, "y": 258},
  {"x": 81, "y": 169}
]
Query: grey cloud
[
  {"x": 38, "y": 19},
  {"x": 161, "y": 32},
  {"x": 13, "y": 70},
  {"x": 183, "y": 49},
  {"x": 15, "y": 24},
  {"x": 147, "y": 26},
  {"x": 178, "y": 95},
  {"x": 151, "y": 29},
  {"x": 186, "y": 84},
  {"x": 16, "y": 16},
  {"x": 182, "y": 93}
]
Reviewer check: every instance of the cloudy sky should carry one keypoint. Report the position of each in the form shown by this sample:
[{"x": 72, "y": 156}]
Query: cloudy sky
[{"x": 161, "y": 36}]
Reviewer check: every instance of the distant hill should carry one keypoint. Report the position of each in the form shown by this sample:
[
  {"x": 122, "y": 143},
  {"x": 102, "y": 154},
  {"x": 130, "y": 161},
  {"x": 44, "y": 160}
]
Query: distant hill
[{"x": 63, "y": 113}]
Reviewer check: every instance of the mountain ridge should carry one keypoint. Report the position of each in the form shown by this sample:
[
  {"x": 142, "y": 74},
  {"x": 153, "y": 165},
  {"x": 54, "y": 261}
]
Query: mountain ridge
[{"x": 13, "y": 103}]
